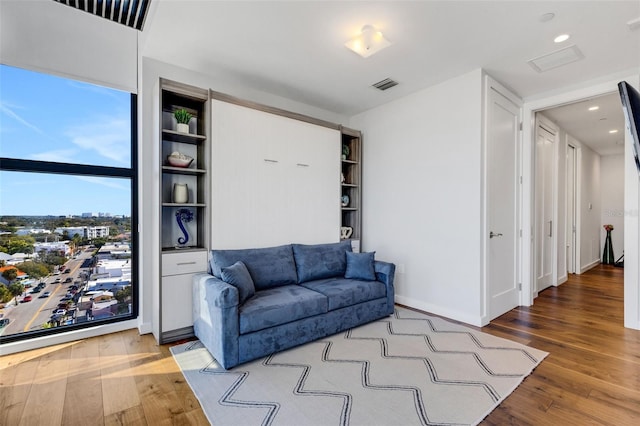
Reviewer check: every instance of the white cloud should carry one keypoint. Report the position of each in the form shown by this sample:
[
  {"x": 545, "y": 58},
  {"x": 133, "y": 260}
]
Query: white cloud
[
  {"x": 9, "y": 111},
  {"x": 109, "y": 137},
  {"x": 59, "y": 156},
  {"x": 108, "y": 182}
]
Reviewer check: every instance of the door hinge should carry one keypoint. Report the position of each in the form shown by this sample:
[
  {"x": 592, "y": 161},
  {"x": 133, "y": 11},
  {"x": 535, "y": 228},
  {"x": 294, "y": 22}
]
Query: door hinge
[
  {"x": 521, "y": 233},
  {"x": 520, "y": 180},
  {"x": 520, "y": 126},
  {"x": 520, "y": 286}
]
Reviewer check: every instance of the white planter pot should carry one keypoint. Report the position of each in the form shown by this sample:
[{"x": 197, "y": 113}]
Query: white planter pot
[{"x": 183, "y": 128}]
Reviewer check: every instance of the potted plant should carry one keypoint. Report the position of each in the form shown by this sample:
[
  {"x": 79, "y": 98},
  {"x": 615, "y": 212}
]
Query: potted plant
[{"x": 183, "y": 117}]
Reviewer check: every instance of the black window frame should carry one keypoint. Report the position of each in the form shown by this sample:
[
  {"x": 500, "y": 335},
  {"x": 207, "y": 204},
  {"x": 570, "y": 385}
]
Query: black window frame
[{"x": 71, "y": 169}]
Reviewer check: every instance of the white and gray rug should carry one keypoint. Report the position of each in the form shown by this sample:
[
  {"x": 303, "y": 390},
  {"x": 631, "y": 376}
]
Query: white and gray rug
[{"x": 407, "y": 369}]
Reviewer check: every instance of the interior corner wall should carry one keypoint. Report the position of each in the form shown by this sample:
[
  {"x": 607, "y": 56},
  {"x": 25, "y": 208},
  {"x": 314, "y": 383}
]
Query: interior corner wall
[
  {"x": 51, "y": 37},
  {"x": 422, "y": 163},
  {"x": 612, "y": 199}
]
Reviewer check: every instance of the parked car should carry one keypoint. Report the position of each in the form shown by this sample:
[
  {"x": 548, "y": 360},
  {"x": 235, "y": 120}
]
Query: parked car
[
  {"x": 36, "y": 290},
  {"x": 59, "y": 312},
  {"x": 66, "y": 271},
  {"x": 27, "y": 298},
  {"x": 4, "y": 321},
  {"x": 57, "y": 280},
  {"x": 45, "y": 294},
  {"x": 68, "y": 280}
]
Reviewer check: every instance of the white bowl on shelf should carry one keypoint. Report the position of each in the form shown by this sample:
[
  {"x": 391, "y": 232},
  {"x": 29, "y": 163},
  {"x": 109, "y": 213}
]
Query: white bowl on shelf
[{"x": 181, "y": 161}]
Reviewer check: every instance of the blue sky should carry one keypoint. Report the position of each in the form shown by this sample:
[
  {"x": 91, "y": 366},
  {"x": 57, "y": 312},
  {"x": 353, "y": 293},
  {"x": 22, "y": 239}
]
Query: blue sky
[{"x": 47, "y": 118}]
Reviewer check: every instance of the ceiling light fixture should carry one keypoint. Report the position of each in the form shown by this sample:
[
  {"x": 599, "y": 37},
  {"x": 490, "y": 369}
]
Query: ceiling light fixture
[
  {"x": 613, "y": 131},
  {"x": 561, "y": 38},
  {"x": 594, "y": 108},
  {"x": 369, "y": 41}
]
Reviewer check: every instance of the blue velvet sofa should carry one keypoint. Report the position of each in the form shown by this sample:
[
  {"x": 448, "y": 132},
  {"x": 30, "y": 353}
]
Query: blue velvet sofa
[{"x": 256, "y": 302}]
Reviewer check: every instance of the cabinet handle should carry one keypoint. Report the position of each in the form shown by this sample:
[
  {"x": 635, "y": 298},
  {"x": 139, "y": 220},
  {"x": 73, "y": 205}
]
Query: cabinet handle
[
  {"x": 302, "y": 165},
  {"x": 185, "y": 263},
  {"x": 270, "y": 161}
]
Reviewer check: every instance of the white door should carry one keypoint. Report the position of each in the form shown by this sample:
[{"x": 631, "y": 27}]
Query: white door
[
  {"x": 571, "y": 209},
  {"x": 503, "y": 189},
  {"x": 545, "y": 205}
]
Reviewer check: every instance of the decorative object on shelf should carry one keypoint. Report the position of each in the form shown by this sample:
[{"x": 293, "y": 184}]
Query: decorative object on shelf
[
  {"x": 607, "y": 255},
  {"x": 345, "y": 200},
  {"x": 345, "y": 151},
  {"x": 183, "y": 117},
  {"x": 180, "y": 193},
  {"x": 345, "y": 232},
  {"x": 177, "y": 159},
  {"x": 183, "y": 216}
]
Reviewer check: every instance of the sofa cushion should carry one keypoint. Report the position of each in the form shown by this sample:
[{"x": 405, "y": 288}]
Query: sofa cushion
[
  {"x": 360, "y": 266},
  {"x": 238, "y": 276},
  {"x": 268, "y": 267},
  {"x": 314, "y": 262},
  {"x": 343, "y": 292},
  {"x": 280, "y": 305}
]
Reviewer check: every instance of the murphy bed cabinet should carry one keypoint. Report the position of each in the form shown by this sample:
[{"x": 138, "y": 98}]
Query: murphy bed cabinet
[
  {"x": 184, "y": 210},
  {"x": 351, "y": 184}
]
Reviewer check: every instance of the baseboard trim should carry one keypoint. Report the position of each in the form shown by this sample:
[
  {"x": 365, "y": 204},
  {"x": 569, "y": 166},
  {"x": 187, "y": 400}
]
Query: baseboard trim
[
  {"x": 588, "y": 266},
  {"x": 439, "y": 310}
]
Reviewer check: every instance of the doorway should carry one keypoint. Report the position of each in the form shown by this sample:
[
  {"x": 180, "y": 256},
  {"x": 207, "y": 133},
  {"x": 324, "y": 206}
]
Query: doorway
[{"x": 588, "y": 191}]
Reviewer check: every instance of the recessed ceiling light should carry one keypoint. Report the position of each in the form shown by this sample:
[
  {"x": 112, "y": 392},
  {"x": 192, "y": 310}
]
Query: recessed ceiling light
[
  {"x": 561, "y": 38},
  {"x": 547, "y": 17},
  {"x": 613, "y": 131},
  {"x": 594, "y": 108}
]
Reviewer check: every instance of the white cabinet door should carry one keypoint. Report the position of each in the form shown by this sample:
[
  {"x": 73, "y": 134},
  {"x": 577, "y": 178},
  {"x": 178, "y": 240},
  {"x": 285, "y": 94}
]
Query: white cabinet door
[
  {"x": 177, "y": 271},
  {"x": 176, "y": 302}
]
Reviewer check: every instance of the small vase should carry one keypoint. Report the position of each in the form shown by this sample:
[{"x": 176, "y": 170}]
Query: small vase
[
  {"x": 607, "y": 254},
  {"x": 180, "y": 193},
  {"x": 183, "y": 127}
]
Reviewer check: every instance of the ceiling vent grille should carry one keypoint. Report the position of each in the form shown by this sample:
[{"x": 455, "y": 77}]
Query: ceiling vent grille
[
  {"x": 385, "y": 84},
  {"x": 556, "y": 59},
  {"x": 126, "y": 12}
]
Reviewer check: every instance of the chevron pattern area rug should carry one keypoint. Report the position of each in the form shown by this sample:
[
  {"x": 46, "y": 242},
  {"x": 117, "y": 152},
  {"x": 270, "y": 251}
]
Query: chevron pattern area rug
[{"x": 407, "y": 369}]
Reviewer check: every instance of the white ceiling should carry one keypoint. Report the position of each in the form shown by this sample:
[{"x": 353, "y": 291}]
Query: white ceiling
[
  {"x": 295, "y": 49},
  {"x": 592, "y": 127}
]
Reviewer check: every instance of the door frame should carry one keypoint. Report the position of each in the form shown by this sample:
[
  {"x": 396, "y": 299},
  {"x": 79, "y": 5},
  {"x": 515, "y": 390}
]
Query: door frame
[
  {"x": 491, "y": 84},
  {"x": 632, "y": 197},
  {"x": 575, "y": 193}
]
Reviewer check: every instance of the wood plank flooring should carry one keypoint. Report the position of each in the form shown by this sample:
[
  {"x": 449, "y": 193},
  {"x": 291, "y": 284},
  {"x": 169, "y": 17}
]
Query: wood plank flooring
[{"x": 592, "y": 375}]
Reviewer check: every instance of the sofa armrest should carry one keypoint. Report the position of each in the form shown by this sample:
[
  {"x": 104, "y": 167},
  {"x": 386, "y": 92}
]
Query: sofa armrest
[
  {"x": 215, "y": 317},
  {"x": 385, "y": 273}
]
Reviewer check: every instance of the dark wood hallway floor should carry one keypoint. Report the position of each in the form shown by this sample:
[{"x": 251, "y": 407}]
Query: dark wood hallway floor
[{"x": 592, "y": 374}]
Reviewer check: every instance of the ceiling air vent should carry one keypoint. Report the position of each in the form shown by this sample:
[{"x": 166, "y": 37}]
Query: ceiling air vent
[
  {"x": 385, "y": 84},
  {"x": 556, "y": 59},
  {"x": 126, "y": 12}
]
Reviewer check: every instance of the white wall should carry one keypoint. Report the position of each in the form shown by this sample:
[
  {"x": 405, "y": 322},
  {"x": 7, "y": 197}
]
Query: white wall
[
  {"x": 612, "y": 198},
  {"x": 422, "y": 186},
  {"x": 589, "y": 208}
]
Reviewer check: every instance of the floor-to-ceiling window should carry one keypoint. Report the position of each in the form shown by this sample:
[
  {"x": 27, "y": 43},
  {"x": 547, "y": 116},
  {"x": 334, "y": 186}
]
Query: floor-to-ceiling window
[{"x": 68, "y": 219}]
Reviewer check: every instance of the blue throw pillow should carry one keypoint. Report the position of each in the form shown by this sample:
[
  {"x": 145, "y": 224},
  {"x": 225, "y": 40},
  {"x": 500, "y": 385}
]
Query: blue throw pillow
[
  {"x": 360, "y": 266},
  {"x": 318, "y": 261},
  {"x": 238, "y": 276}
]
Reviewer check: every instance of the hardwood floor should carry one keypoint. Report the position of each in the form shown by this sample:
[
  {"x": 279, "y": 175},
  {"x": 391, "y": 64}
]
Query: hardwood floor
[{"x": 592, "y": 375}]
